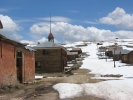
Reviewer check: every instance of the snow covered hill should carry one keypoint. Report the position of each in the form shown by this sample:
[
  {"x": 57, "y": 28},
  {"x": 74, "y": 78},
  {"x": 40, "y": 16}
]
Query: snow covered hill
[{"x": 114, "y": 88}]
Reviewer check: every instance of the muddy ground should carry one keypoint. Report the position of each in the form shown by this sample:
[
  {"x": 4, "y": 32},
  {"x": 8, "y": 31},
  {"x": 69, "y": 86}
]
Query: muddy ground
[{"x": 42, "y": 89}]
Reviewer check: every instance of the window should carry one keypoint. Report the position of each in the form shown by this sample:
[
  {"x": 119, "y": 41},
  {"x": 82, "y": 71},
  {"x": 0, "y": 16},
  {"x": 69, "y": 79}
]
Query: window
[
  {"x": 38, "y": 65},
  {"x": 45, "y": 52},
  {"x": 19, "y": 54}
]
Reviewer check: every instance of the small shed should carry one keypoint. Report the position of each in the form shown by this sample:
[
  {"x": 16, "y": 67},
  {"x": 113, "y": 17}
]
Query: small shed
[
  {"x": 124, "y": 55},
  {"x": 76, "y": 50},
  {"x": 102, "y": 49},
  {"x": 76, "y": 54},
  {"x": 70, "y": 56},
  {"x": 111, "y": 48},
  {"x": 130, "y": 57},
  {"x": 17, "y": 62}
]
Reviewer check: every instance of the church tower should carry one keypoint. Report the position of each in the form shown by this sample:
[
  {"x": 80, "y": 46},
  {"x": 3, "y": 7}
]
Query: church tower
[{"x": 50, "y": 37}]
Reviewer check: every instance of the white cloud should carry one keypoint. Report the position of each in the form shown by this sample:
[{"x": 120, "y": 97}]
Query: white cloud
[
  {"x": 56, "y": 19},
  {"x": 70, "y": 33},
  {"x": 8, "y": 24},
  {"x": 17, "y": 36},
  {"x": 118, "y": 18},
  {"x": 10, "y": 28},
  {"x": 43, "y": 40},
  {"x": 40, "y": 28},
  {"x": 27, "y": 41}
]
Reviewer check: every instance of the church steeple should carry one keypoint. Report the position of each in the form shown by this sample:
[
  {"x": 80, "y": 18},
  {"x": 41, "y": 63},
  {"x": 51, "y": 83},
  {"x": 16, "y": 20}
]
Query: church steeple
[
  {"x": 50, "y": 37},
  {"x": 1, "y": 26}
]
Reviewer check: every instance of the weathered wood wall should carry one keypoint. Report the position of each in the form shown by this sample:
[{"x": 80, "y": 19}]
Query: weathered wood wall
[{"x": 50, "y": 62}]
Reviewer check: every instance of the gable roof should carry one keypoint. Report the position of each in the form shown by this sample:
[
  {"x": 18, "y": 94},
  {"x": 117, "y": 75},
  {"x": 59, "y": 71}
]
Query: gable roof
[
  {"x": 10, "y": 41},
  {"x": 125, "y": 51},
  {"x": 15, "y": 43},
  {"x": 49, "y": 45}
]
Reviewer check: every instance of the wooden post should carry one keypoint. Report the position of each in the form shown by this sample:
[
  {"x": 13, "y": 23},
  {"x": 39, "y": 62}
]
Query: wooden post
[{"x": 114, "y": 57}]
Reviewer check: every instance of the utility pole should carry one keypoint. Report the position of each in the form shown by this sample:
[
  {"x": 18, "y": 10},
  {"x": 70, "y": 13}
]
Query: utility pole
[
  {"x": 114, "y": 57},
  {"x": 105, "y": 54}
]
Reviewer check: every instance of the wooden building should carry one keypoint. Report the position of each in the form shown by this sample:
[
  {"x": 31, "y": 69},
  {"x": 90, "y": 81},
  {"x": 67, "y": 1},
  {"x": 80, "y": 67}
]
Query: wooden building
[
  {"x": 124, "y": 56},
  {"x": 110, "y": 49},
  {"x": 130, "y": 57},
  {"x": 76, "y": 50},
  {"x": 102, "y": 49},
  {"x": 50, "y": 57},
  {"x": 70, "y": 56},
  {"x": 76, "y": 54},
  {"x": 17, "y": 62}
]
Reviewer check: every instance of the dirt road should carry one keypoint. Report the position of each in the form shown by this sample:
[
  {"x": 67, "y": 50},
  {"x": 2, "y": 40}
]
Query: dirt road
[{"x": 43, "y": 90}]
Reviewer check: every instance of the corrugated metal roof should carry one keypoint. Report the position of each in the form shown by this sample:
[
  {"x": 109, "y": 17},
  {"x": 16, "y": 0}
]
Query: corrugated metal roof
[
  {"x": 125, "y": 51},
  {"x": 47, "y": 44}
]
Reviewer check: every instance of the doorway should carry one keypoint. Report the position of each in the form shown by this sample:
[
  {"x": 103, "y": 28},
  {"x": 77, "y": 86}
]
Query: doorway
[{"x": 19, "y": 66}]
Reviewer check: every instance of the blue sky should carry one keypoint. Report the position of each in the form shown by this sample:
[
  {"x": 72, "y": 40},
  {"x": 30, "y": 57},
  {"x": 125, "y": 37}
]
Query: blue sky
[{"x": 72, "y": 20}]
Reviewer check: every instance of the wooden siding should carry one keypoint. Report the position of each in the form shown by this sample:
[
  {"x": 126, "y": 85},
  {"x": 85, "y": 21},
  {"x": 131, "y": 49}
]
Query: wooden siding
[
  {"x": 124, "y": 58},
  {"x": 130, "y": 57},
  {"x": 53, "y": 61}
]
